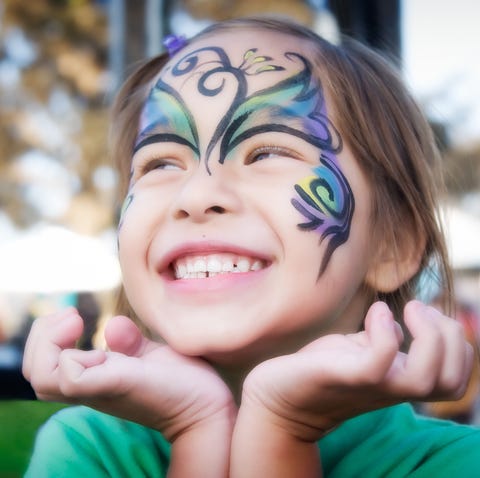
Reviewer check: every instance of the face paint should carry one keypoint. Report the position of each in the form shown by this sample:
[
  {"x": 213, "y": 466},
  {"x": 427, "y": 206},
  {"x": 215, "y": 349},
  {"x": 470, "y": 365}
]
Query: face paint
[
  {"x": 326, "y": 201},
  {"x": 165, "y": 117},
  {"x": 294, "y": 106},
  {"x": 126, "y": 204}
]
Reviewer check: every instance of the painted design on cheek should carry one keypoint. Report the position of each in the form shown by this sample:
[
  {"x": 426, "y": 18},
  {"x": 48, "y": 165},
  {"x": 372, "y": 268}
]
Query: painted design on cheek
[
  {"x": 327, "y": 202},
  {"x": 126, "y": 204}
]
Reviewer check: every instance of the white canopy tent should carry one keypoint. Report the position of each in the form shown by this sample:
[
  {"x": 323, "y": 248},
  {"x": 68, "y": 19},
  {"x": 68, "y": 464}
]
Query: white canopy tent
[{"x": 51, "y": 259}]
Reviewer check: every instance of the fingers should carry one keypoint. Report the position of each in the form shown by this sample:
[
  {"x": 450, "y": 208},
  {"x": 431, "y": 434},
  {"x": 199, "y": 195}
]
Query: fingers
[
  {"x": 93, "y": 373},
  {"x": 457, "y": 361},
  {"x": 48, "y": 337},
  {"x": 438, "y": 363},
  {"x": 123, "y": 335},
  {"x": 362, "y": 359},
  {"x": 60, "y": 372},
  {"x": 426, "y": 355},
  {"x": 384, "y": 340}
]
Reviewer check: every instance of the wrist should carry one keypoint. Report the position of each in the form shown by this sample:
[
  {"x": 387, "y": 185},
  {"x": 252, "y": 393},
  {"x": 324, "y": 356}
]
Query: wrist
[
  {"x": 264, "y": 445},
  {"x": 287, "y": 420},
  {"x": 222, "y": 421},
  {"x": 203, "y": 449}
]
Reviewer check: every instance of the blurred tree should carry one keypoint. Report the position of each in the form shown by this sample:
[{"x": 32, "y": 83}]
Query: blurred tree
[
  {"x": 223, "y": 9},
  {"x": 54, "y": 104}
]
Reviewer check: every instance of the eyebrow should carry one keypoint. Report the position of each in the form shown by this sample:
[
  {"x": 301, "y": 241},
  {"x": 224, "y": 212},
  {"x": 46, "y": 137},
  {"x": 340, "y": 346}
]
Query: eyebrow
[
  {"x": 276, "y": 121},
  {"x": 166, "y": 118},
  {"x": 158, "y": 137}
]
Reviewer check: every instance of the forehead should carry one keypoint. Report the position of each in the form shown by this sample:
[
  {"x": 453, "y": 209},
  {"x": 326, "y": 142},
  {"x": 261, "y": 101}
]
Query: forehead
[
  {"x": 255, "y": 73},
  {"x": 252, "y": 50}
]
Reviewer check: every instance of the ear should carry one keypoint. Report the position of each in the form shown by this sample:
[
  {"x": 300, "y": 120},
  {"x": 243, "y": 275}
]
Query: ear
[{"x": 395, "y": 262}]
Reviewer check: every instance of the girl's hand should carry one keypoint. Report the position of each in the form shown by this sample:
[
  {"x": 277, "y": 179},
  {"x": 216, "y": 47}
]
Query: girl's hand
[
  {"x": 339, "y": 376},
  {"x": 289, "y": 402},
  {"x": 139, "y": 380}
]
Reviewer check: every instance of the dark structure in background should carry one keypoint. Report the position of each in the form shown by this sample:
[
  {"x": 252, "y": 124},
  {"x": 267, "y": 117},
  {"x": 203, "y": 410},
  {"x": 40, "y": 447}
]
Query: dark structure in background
[
  {"x": 14, "y": 386},
  {"x": 137, "y": 28},
  {"x": 374, "y": 22}
]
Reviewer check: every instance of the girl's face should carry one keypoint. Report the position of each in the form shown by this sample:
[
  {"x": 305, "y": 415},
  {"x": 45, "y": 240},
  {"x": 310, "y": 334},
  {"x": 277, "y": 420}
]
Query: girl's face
[{"x": 245, "y": 230}]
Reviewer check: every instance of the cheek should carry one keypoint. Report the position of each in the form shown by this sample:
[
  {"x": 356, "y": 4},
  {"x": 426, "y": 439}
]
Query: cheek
[
  {"x": 133, "y": 225},
  {"x": 326, "y": 201},
  {"x": 125, "y": 206}
]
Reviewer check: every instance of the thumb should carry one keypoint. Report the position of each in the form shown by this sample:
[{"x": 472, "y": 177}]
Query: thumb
[{"x": 124, "y": 336}]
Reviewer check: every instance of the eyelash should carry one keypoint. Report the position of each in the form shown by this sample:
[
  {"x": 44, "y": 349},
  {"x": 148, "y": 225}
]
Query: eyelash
[
  {"x": 150, "y": 164},
  {"x": 272, "y": 150}
]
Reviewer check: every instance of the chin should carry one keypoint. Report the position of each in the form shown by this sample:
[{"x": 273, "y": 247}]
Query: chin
[{"x": 244, "y": 352}]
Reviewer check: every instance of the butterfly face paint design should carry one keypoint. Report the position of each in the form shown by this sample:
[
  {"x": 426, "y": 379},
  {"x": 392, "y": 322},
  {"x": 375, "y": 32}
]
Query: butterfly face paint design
[{"x": 294, "y": 105}]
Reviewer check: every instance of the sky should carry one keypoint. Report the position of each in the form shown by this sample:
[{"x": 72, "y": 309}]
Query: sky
[{"x": 441, "y": 51}]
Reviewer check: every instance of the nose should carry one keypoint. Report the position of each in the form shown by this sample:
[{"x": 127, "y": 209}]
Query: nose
[{"x": 205, "y": 195}]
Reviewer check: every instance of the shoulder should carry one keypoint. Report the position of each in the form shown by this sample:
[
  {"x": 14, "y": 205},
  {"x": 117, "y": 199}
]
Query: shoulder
[
  {"x": 77, "y": 441},
  {"x": 396, "y": 442}
]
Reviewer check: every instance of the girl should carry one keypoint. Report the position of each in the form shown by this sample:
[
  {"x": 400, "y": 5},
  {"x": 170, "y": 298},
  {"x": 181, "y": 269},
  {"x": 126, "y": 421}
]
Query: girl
[{"x": 280, "y": 206}]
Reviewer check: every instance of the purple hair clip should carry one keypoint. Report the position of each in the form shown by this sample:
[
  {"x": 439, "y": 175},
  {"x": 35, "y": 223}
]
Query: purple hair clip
[{"x": 174, "y": 43}]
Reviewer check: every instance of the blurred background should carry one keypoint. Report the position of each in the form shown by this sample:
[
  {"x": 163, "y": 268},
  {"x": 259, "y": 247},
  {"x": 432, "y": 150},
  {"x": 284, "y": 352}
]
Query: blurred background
[{"x": 61, "y": 62}]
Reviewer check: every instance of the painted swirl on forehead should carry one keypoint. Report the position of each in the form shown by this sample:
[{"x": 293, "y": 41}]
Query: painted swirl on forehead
[
  {"x": 295, "y": 105},
  {"x": 165, "y": 116}
]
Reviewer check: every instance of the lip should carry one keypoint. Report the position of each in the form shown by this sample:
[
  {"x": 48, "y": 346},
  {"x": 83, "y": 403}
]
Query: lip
[{"x": 163, "y": 267}]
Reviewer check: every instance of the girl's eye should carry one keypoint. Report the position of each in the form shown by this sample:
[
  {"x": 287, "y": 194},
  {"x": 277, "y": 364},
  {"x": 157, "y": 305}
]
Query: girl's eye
[
  {"x": 269, "y": 152},
  {"x": 163, "y": 164}
]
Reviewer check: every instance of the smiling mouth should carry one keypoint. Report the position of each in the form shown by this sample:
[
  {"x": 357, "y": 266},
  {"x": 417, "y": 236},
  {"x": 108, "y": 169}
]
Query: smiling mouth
[{"x": 210, "y": 265}]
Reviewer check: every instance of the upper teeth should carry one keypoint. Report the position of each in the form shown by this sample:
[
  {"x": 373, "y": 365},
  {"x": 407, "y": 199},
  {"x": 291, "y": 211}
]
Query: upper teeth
[{"x": 194, "y": 267}]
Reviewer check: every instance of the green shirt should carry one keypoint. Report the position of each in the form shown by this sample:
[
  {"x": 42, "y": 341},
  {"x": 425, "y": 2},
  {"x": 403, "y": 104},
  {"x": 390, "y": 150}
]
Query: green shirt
[{"x": 391, "y": 442}]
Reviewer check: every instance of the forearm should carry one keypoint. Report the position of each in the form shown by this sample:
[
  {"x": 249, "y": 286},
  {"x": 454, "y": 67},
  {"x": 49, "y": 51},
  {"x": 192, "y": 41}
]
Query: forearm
[
  {"x": 203, "y": 451},
  {"x": 262, "y": 447}
]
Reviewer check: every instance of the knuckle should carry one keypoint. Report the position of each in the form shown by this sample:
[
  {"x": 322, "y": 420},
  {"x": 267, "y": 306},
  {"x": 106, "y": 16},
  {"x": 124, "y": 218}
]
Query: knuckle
[
  {"x": 422, "y": 388},
  {"x": 458, "y": 392},
  {"x": 435, "y": 335},
  {"x": 456, "y": 330},
  {"x": 68, "y": 387},
  {"x": 371, "y": 378},
  {"x": 36, "y": 382},
  {"x": 453, "y": 384},
  {"x": 41, "y": 386}
]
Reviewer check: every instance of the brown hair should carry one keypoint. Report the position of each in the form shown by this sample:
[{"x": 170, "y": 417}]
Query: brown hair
[{"x": 379, "y": 121}]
